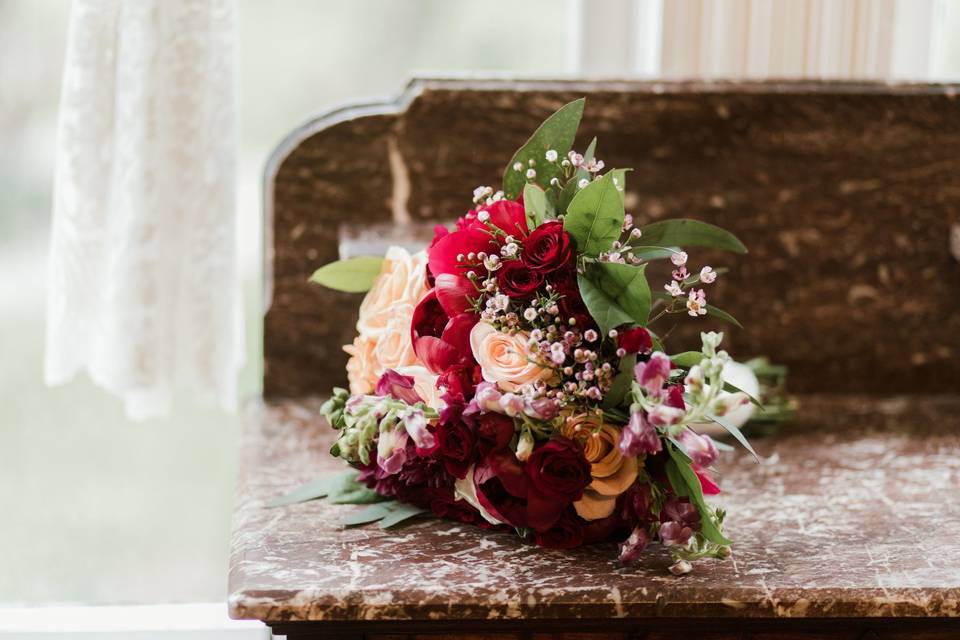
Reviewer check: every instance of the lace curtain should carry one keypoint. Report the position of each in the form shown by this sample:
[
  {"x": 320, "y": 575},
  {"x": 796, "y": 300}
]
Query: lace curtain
[{"x": 143, "y": 281}]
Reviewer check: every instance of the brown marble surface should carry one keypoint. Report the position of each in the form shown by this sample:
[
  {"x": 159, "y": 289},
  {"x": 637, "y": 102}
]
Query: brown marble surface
[{"x": 852, "y": 512}]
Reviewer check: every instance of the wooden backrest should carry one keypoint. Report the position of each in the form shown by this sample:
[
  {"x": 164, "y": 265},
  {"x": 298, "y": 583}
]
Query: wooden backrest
[{"x": 846, "y": 195}]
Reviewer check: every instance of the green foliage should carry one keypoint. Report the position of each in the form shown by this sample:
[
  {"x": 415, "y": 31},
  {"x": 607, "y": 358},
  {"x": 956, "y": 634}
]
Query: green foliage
[
  {"x": 686, "y": 484},
  {"x": 722, "y": 315},
  {"x": 538, "y": 207},
  {"x": 687, "y": 359},
  {"x": 354, "y": 275},
  {"x": 339, "y": 488},
  {"x": 390, "y": 514},
  {"x": 621, "y": 382},
  {"x": 557, "y": 132},
  {"x": 594, "y": 218},
  {"x": 733, "y": 430},
  {"x": 604, "y": 310},
  {"x": 649, "y": 254},
  {"x": 691, "y": 233},
  {"x": 621, "y": 290}
]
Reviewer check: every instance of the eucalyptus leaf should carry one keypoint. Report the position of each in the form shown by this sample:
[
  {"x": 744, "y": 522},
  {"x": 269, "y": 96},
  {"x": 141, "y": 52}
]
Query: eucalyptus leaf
[
  {"x": 649, "y": 254},
  {"x": 319, "y": 488},
  {"x": 723, "y": 315},
  {"x": 686, "y": 484},
  {"x": 595, "y": 216},
  {"x": 368, "y": 514},
  {"x": 684, "y": 232},
  {"x": 356, "y": 494},
  {"x": 536, "y": 205},
  {"x": 557, "y": 132},
  {"x": 401, "y": 513},
  {"x": 733, "y": 430},
  {"x": 621, "y": 382},
  {"x": 353, "y": 275},
  {"x": 605, "y": 311},
  {"x": 626, "y": 285}
]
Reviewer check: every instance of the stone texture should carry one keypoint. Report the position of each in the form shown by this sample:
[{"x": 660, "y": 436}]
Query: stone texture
[
  {"x": 852, "y": 512},
  {"x": 845, "y": 194}
]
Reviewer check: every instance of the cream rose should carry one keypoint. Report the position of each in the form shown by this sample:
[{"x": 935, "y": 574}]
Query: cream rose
[
  {"x": 361, "y": 368},
  {"x": 425, "y": 384},
  {"x": 402, "y": 281},
  {"x": 612, "y": 473},
  {"x": 394, "y": 348},
  {"x": 504, "y": 358}
]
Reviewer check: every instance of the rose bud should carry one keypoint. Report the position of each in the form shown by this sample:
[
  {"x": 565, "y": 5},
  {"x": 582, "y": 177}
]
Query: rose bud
[
  {"x": 524, "y": 446},
  {"x": 635, "y": 340}
]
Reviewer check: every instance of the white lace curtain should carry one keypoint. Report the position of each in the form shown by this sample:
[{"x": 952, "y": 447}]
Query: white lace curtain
[{"x": 143, "y": 280}]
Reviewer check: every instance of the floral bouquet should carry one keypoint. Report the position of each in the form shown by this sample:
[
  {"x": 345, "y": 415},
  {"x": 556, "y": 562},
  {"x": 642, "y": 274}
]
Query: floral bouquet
[{"x": 510, "y": 375}]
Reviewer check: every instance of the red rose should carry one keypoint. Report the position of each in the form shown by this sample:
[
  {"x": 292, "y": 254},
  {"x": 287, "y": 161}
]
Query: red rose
[
  {"x": 494, "y": 431},
  {"x": 517, "y": 280},
  {"x": 547, "y": 248},
  {"x": 635, "y": 340},
  {"x": 558, "y": 469},
  {"x": 456, "y": 446},
  {"x": 566, "y": 533}
]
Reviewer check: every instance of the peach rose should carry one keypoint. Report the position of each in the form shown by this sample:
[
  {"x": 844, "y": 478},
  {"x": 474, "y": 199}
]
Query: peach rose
[
  {"x": 504, "y": 358},
  {"x": 402, "y": 281},
  {"x": 394, "y": 348},
  {"x": 425, "y": 384},
  {"x": 360, "y": 368},
  {"x": 612, "y": 473}
]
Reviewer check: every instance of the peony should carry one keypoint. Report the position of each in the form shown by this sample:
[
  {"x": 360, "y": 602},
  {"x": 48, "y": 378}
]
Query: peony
[
  {"x": 547, "y": 248},
  {"x": 612, "y": 473},
  {"x": 504, "y": 358}
]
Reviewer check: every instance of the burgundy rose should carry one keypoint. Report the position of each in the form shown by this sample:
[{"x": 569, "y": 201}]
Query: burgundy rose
[
  {"x": 566, "y": 533},
  {"x": 494, "y": 431},
  {"x": 635, "y": 340},
  {"x": 571, "y": 303},
  {"x": 517, "y": 280},
  {"x": 558, "y": 469},
  {"x": 445, "y": 505},
  {"x": 456, "y": 447},
  {"x": 502, "y": 487},
  {"x": 547, "y": 248}
]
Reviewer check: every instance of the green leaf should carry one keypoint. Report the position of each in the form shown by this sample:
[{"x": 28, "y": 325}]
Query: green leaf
[
  {"x": 356, "y": 494},
  {"x": 624, "y": 284},
  {"x": 368, "y": 514},
  {"x": 595, "y": 216},
  {"x": 353, "y": 275},
  {"x": 557, "y": 132},
  {"x": 684, "y": 232},
  {"x": 621, "y": 382},
  {"x": 733, "y": 430},
  {"x": 602, "y": 308},
  {"x": 687, "y": 359},
  {"x": 619, "y": 179},
  {"x": 732, "y": 388},
  {"x": 723, "y": 315},
  {"x": 319, "y": 488},
  {"x": 650, "y": 254},
  {"x": 685, "y": 482},
  {"x": 536, "y": 205},
  {"x": 399, "y": 514}
]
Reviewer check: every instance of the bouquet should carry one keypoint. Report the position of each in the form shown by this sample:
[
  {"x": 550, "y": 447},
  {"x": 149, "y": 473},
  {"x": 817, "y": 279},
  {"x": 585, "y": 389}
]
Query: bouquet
[{"x": 514, "y": 375}]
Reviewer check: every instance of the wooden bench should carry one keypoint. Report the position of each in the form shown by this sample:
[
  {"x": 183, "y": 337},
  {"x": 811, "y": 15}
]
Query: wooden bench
[{"x": 848, "y": 197}]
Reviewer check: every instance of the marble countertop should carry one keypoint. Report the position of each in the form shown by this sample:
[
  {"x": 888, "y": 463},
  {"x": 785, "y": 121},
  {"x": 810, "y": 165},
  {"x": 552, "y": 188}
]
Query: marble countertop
[{"x": 853, "y": 511}]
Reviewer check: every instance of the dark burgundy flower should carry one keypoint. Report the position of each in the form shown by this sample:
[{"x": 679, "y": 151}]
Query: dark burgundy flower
[
  {"x": 637, "y": 504},
  {"x": 456, "y": 447},
  {"x": 557, "y": 468},
  {"x": 547, "y": 248},
  {"x": 566, "y": 533},
  {"x": 445, "y": 505},
  {"x": 517, "y": 280},
  {"x": 502, "y": 487},
  {"x": 675, "y": 397},
  {"x": 635, "y": 340},
  {"x": 459, "y": 380},
  {"x": 398, "y": 386},
  {"x": 571, "y": 303}
]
